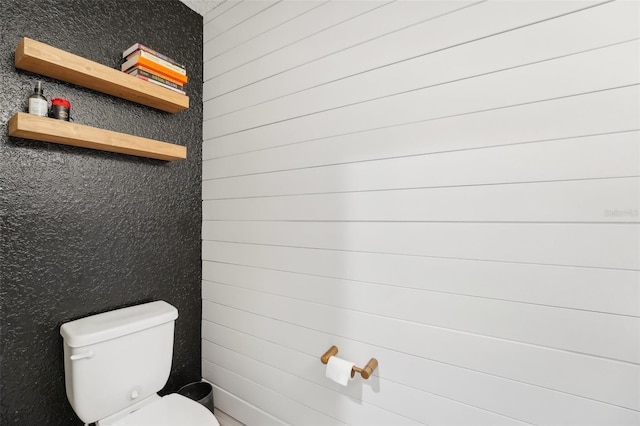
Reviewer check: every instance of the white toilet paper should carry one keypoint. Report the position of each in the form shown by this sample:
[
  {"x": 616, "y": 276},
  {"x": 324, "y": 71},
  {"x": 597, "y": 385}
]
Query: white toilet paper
[{"x": 339, "y": 370}]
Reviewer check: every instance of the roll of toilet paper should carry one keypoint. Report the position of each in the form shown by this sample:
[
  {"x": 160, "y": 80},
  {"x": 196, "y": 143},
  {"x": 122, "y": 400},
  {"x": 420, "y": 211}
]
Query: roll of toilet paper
[{"x": 339, "y": 370}]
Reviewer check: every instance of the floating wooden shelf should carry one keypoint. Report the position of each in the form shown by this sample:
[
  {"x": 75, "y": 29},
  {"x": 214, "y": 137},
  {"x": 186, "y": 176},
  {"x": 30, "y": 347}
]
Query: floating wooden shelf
[
  {"x": 43, "y": 59},
  {"x": 31, "y": 126}
]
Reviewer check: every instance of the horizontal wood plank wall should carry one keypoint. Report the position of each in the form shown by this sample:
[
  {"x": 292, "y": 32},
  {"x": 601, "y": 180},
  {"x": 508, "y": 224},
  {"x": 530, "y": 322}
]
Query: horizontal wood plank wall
[{"x": 451, "y": 187}]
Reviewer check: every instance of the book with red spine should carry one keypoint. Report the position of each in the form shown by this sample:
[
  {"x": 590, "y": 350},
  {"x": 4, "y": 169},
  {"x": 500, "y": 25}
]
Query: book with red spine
[
  {"x": 150, "y": 71},
  {"x": 135, "y": 71},
  {"x": 155, "y": 68},
  {"x": 150, "y": 80}
]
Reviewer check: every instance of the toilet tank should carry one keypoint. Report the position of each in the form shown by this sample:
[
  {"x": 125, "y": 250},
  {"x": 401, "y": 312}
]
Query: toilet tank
[{"x": 115, "y": 359}]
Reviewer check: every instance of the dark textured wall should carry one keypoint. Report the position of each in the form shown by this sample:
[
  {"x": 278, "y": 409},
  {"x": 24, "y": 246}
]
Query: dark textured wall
[{"x": 84, "y": 231}]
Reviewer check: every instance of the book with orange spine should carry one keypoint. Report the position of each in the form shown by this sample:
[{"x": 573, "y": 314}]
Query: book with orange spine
[
  {"x": 157, "y": 60},
  {"x": 156, "y": 68}
]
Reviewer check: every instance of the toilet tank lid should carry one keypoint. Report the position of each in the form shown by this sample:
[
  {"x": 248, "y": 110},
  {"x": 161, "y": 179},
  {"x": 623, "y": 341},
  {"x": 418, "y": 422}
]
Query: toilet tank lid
[{"x": 109, "y": 325}]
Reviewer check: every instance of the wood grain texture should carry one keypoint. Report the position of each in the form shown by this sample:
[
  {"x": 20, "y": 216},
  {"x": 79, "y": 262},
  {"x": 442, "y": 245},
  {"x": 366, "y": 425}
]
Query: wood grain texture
[
  {"x": 46, "y": 129},
  {"x": 41, "y": 58}
]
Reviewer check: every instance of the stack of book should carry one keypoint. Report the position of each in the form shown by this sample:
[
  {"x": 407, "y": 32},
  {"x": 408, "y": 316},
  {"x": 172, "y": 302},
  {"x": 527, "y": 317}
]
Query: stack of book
[{"x": 147, "y": 64}]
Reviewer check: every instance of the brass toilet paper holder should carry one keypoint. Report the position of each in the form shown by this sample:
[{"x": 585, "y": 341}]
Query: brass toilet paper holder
[{"x": 364, "y": 372}]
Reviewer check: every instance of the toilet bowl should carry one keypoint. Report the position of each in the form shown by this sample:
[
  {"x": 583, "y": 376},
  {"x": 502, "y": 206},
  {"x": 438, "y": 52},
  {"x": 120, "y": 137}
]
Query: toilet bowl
[
  {"x": 170, "y": 410},
  {"x": 117, "y": 361}
]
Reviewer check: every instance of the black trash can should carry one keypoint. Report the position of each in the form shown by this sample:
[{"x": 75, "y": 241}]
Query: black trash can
[{"x": 201, "y": 392}]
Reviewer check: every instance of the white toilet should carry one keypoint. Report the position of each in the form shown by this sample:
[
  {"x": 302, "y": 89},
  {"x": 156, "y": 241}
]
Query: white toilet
[{"x": 115, "y": 362}]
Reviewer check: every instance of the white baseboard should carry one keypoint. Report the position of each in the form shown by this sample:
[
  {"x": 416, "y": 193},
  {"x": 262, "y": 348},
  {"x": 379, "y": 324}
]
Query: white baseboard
[
  {"x": 233, "y": 411},
  {"x": 226, "y": 420}
]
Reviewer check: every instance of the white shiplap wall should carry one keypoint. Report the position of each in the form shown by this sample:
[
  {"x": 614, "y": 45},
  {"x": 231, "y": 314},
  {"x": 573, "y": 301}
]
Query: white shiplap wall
[{"x": 451, "y": 187}]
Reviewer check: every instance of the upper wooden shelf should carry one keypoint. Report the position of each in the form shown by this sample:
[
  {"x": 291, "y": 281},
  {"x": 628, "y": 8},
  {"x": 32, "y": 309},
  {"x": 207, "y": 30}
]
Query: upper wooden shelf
[
  {"x": 31, "y": 126},
  {"x": 43, "y": 59}
]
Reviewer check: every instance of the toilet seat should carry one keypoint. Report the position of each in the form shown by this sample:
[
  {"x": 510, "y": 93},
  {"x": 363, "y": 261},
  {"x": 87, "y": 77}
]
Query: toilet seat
[{"x": 171, "y": 410}]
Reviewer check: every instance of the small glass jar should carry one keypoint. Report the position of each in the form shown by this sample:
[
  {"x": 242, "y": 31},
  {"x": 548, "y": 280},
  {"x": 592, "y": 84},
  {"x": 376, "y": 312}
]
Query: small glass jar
[
  {"x": 37, "y": 101},
  {"x": 60, "y": 109}
]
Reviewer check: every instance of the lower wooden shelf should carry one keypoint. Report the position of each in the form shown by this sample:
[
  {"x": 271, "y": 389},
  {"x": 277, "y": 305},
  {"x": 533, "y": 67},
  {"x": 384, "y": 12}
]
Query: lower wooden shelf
[{"x": 46, "y": 129}]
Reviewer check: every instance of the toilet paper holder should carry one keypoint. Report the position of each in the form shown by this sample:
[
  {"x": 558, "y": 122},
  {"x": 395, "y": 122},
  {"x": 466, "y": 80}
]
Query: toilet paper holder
[{"x": 364, "y": 372}]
